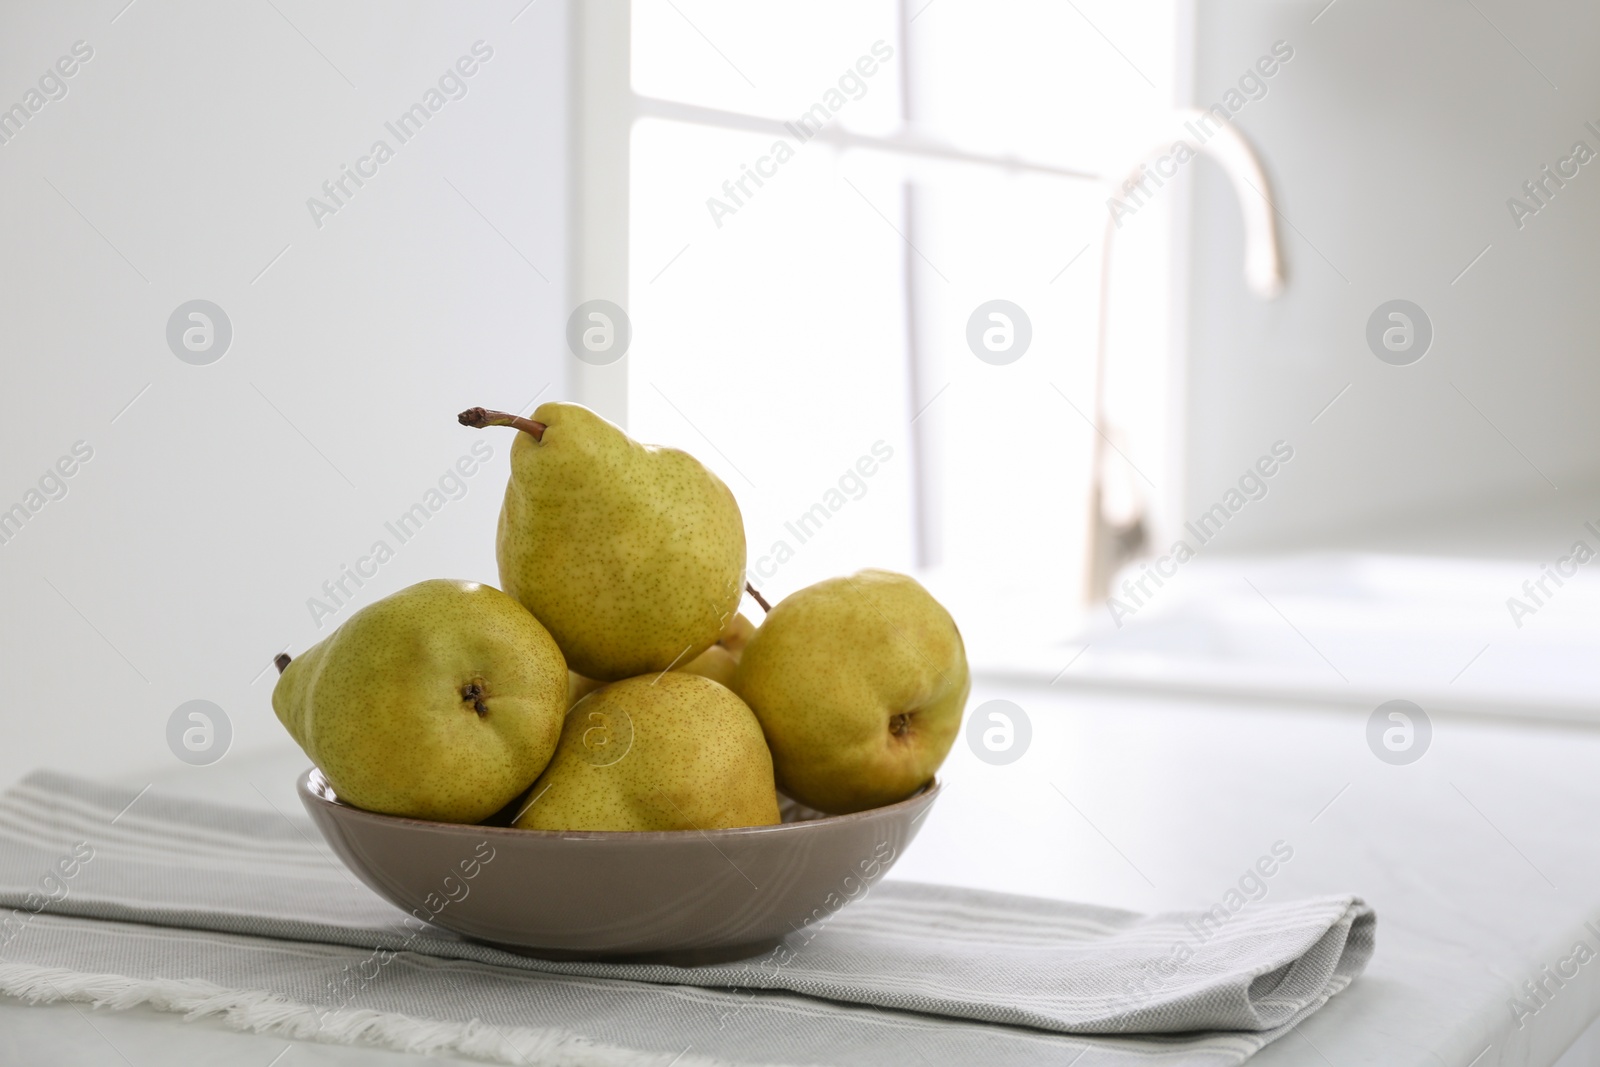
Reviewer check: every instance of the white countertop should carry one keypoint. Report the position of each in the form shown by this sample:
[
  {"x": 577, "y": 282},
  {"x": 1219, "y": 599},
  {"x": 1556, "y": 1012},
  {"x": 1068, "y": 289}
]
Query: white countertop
[{"x": 1481, "y": 859}]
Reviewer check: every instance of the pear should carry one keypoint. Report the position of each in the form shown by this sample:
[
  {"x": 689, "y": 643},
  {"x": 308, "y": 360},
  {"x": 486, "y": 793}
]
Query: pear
[
  {"x": 672, "y": 751},
  {"x": 579, "y": 687},
  {"x": 721, "y": 660},
  {"x": 442, "y": 701},
  {"x": 631, "y": 554},
  {"x": 737, "y": 634},
  {"x": 860, "y": 684},
  {"x": 717, "y": 662}
]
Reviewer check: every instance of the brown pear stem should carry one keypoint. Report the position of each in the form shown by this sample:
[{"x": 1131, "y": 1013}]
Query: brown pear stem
[
  {"x": 281, "y": 661},
  {"x": 478, "y": 418},
  {"x": 765, "y": 607}
]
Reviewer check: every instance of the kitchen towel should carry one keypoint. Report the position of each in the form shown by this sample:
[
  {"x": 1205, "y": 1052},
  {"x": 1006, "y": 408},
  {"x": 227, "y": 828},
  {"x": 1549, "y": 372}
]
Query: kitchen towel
[{"x": 121, "y": 898}]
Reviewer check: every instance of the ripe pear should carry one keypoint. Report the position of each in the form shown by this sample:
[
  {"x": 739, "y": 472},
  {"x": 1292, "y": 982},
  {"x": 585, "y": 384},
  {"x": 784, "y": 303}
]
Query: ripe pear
[
  {"x": 631, "y": 554},
  {"x": 860, "y": 684},
  {"x": 716, "y": 663},
  {"x": 721, "y": 660},
  {"x": 737, "y": 634},
  {"x": 579, "y": 687},
  {"x": 672, "y": 751},
  {"x": 442, "y": 701}
]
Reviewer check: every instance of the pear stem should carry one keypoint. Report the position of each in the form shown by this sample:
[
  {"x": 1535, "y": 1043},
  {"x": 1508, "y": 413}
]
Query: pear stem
[
  {"x": 765, "y": 607},
  {"x": 478, "y": 418},
  {"x": 281, "y": 661}
]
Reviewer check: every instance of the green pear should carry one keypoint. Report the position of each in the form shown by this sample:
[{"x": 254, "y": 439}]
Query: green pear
[
  {"x": 442, "y": 701},
  {"x": 579, "y": 687},
  {"x": 631, "y": 554},
  {"x": 860, "y": 684},
  {"x": 736, "y": 635},
  {"x": 671, "y": 751},
  {"x": 721, "y": 660},
  {"x": 717, "y": 662}
]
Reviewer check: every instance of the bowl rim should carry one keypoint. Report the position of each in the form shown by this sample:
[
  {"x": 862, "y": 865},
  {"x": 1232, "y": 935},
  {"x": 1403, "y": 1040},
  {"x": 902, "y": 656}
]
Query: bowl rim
[{"x": 921, "y": 798}]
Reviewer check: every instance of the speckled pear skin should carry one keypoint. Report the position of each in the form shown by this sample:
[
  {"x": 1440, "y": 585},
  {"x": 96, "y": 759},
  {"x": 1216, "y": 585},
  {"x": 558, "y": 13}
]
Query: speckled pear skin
[
  {"x": 736, "y": 635},
  {"x": 632, "y": 555},
  {"x": 716, "y": 663},
  {"x": 579, "y": 687},
  {"x": 672, "y": 751},
  {"x": 721, "y": 660},
  {"x": 833, "y": 671},
  {"x": 383, "y": 706}
]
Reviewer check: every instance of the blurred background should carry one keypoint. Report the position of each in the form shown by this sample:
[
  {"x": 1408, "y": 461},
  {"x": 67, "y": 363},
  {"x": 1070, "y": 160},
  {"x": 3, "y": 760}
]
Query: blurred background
[{"x": 237, "y": 330}]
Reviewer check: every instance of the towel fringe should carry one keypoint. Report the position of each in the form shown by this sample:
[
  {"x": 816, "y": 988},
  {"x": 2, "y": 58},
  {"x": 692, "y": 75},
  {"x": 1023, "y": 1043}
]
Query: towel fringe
[{"x": 263, "y": 1012}]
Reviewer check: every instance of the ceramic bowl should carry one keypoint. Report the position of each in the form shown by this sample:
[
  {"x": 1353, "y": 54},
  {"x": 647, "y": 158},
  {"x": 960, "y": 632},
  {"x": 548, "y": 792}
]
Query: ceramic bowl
[{"x": 677, "y": 896}]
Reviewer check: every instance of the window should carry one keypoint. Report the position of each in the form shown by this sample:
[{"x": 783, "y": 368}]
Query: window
[{"x": 821, "y": 197}]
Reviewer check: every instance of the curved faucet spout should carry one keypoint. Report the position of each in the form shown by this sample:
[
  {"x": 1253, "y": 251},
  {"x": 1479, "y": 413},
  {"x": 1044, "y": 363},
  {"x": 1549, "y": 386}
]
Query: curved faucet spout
[
  {"x": 1112, "y": 542},
  {"x": 1203, "y": 134}
]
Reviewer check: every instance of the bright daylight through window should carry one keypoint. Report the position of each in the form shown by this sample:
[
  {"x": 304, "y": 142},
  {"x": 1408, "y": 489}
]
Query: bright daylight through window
[{"x": 825, "y": 207}]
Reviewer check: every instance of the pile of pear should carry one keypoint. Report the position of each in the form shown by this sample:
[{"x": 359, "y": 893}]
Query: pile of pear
[{"x": 610, "y": 682}]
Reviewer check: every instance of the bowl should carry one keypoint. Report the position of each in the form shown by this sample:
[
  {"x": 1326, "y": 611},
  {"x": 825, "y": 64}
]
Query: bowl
[{"x": 681, "y": 897}]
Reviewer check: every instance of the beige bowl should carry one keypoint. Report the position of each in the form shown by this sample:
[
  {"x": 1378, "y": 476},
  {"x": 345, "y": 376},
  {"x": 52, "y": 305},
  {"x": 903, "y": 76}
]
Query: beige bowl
[{"x": 677, "y": 896}]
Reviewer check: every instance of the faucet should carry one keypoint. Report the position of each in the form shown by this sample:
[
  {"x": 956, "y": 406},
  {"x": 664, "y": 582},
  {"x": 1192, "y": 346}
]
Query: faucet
[{"x": 1113, "y": 541}]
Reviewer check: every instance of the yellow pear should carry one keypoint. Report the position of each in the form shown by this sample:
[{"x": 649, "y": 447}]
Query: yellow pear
[
  {"x": 579, "y": 687},
  {"x": 671, "y": 751},
  {"x": 860, "y": 684},
  {"x": 721, "y": 660},
  {"x": 737, "y": 634},
  {"x": 442, "y": 701},
  {"x": 632, "y": 555},
  {"x": 716, "y": 663}
]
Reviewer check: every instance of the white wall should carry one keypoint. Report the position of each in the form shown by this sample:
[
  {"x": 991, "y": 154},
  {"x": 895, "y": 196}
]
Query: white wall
[
  {"x": 182, "y": 556},
  {"x": 1395, "y": 136}
]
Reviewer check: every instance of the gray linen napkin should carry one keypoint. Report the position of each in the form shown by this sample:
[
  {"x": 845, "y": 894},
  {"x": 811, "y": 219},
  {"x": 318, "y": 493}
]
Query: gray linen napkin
[{"x": 245, "y": 915}]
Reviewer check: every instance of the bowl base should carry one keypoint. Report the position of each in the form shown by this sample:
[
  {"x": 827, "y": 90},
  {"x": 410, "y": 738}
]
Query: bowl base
[{"x": 684, "y": 957}]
